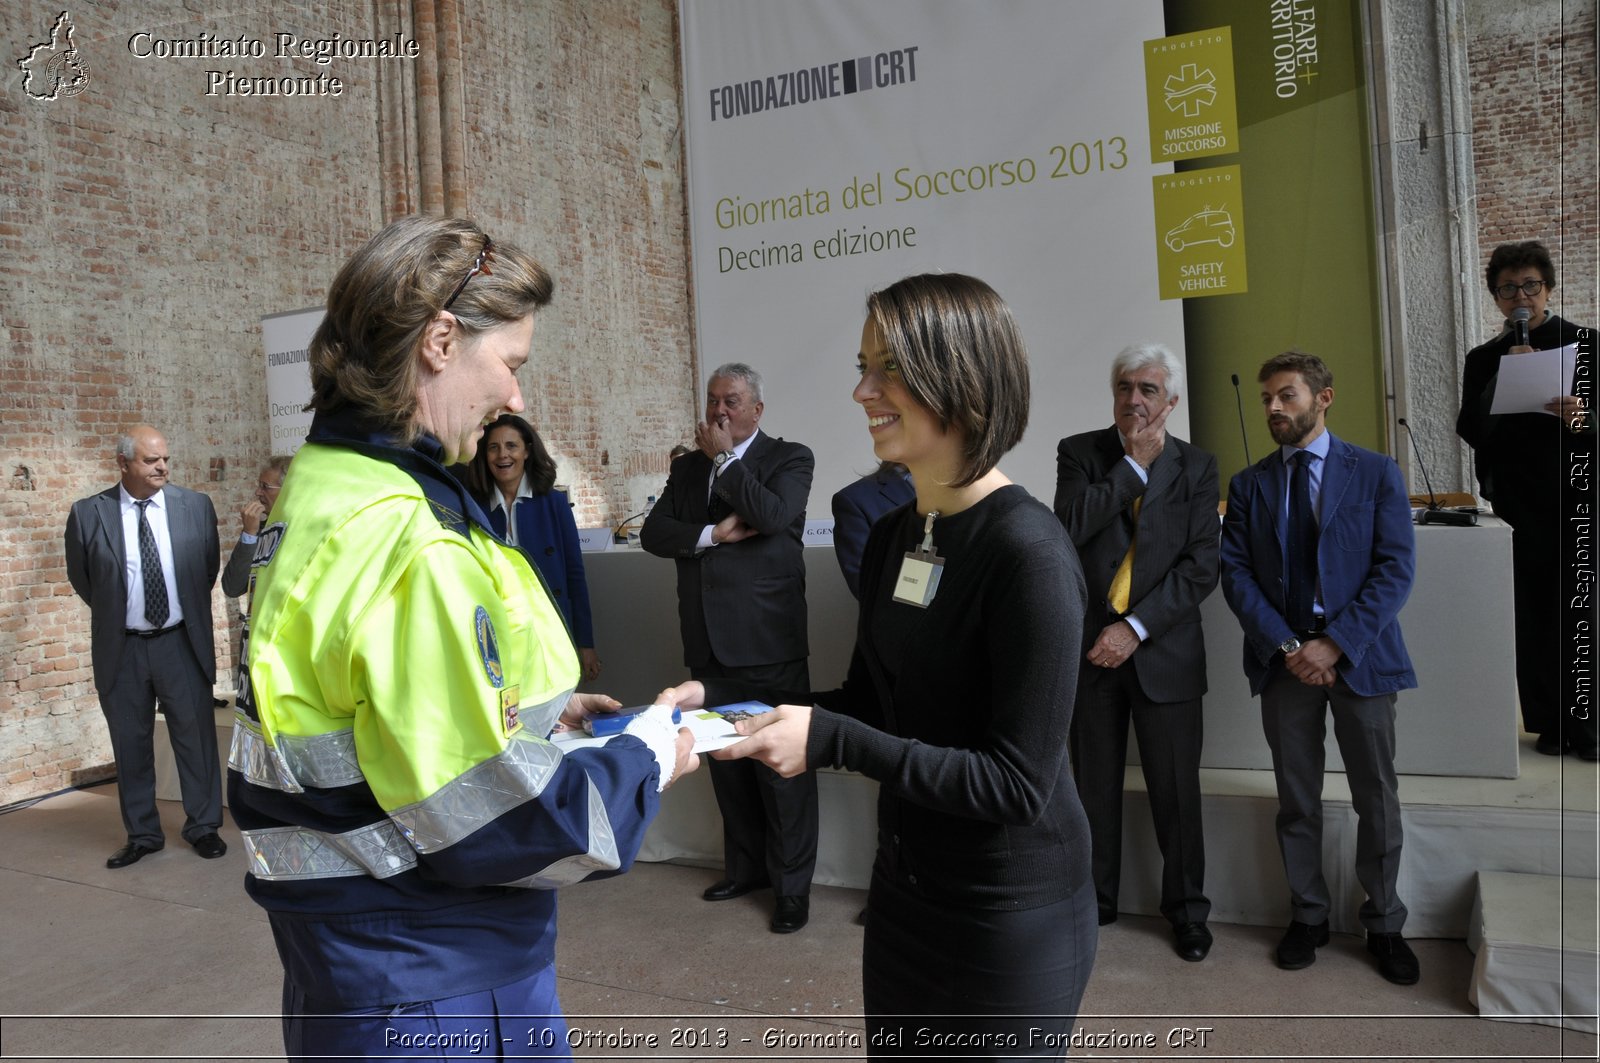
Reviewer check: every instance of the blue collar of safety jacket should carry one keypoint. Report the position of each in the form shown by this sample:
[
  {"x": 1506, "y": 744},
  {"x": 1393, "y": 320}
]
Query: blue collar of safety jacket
[{"x": 449, "y": 499}]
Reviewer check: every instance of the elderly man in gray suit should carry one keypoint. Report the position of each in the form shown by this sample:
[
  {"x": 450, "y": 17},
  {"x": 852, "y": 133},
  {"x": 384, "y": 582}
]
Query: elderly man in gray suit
[
  {"x": 143, "y": 556},
  {"x": 1140, "y": 505}
]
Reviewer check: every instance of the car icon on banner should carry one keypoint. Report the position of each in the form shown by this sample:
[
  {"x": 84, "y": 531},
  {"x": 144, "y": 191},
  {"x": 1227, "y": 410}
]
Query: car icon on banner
[{"x": 1208, "y": 226}]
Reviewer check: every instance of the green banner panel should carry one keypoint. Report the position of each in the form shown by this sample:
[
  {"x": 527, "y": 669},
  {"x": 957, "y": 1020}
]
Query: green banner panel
[
  {"x": 1303, "y": 177},
  {"x": 1190, "y": 92},
  {"x": 1200, "y": 233}
]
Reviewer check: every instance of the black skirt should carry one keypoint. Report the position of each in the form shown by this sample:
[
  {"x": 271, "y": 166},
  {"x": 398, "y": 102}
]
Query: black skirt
[{"x": 942, "y": 980}]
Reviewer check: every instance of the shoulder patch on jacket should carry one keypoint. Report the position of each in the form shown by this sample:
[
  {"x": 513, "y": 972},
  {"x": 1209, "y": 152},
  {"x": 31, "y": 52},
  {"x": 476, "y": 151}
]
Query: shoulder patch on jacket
[{"x": 488, "y": 648}]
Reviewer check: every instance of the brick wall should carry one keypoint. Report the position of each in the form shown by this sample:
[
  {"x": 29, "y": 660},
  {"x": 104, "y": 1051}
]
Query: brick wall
[
  {"x": 146, "y": 227},
  {"x": 1533, "y": 78}
]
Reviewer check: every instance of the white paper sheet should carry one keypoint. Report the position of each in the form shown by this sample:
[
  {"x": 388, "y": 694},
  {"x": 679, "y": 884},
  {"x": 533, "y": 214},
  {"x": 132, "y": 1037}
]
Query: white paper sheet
[{"x": 1528, "y": 381}]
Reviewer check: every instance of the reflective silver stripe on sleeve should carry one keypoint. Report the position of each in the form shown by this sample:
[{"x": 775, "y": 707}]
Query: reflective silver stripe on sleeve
[
  {"x": 602, "y": 854},
  {"x": 294, "y": 761},
  {"x": 481, "y": 794},
  {"x": 477, "y": 797},
  {"x": 279, "y": 853},
  {"x": 259, "y": 763}
]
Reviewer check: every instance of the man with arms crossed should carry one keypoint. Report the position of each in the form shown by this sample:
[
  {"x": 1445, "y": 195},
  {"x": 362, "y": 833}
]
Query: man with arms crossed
[
  {"x": 733, "y": 518},
  {"x": 1318, "y": 556},
  {"x": 1140, "y": 505}
]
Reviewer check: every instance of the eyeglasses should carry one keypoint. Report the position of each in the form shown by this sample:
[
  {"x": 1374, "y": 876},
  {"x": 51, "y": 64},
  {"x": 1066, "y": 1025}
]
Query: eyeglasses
[
  {"x": 480, "y": 266},
  {"x": 262, "y": 485},
  {"x": 1505, "y": 291}
]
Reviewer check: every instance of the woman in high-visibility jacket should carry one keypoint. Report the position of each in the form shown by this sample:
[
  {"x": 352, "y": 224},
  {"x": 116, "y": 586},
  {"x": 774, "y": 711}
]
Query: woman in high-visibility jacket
[{"x": 405, "y": 817}]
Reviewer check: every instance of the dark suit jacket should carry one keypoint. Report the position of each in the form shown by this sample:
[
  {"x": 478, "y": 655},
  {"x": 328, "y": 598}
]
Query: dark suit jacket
[
  {"x": 95, "y": 564},
  {"x": 744, "y": 602},
  {"x": 855, "y": 509},
  {"x": 1366, "y": 559},
  {"x": 236, "y": 573},
  {"x": 1175, "y": 566}
]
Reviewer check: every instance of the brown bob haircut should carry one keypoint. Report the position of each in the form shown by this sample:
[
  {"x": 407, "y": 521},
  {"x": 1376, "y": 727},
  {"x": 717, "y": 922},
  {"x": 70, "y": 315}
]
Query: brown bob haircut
[
  {"x": 962, "y": 358},
  {"x": 364, "y": 355}
]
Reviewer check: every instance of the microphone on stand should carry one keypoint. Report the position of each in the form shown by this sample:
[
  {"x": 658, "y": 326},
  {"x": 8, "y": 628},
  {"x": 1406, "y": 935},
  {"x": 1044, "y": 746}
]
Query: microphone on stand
[
  {"x": 1434, "y": 514},
  {"x": 620, "y": 534},
  {"x": 1519, "y": 326},
  {"x": 1238, "y": 398}
]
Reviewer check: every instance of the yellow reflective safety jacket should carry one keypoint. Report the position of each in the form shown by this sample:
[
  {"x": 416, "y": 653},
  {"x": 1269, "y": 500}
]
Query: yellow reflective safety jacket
[{"x": 404, "y": 816}]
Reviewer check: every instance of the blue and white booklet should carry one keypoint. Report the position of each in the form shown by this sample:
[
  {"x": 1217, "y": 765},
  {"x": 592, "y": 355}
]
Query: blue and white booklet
[{"x": 712, "y": 727}]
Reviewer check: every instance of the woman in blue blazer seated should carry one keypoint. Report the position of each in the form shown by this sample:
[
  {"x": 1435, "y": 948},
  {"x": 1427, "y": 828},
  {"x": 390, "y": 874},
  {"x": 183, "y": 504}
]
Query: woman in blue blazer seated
[{"x": 512, "y": 472}]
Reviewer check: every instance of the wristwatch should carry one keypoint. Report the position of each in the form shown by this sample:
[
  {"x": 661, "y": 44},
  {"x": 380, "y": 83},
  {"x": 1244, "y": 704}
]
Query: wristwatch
[
  {"x": 1289, "y": 645},
  {"x": 722, "y": 459}
]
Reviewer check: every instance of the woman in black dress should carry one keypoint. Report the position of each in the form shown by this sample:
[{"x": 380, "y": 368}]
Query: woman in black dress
[
  {"x": 1525, "y": 465},
  {"x": 981, "y": 925}
]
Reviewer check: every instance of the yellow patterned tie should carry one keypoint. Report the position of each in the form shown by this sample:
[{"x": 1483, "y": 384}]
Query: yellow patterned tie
[{"x": 1122, "y": 582}]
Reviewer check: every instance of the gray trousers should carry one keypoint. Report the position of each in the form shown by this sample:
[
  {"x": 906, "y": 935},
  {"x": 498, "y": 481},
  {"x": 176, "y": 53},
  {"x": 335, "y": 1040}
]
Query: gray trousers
[
  {"x": 1294, "y": 717},
  {"x": 163, "y": 668}
]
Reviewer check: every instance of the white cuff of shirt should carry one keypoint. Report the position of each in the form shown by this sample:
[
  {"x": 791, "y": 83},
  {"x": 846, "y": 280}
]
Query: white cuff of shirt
[{"x": 1138, "y": 628}]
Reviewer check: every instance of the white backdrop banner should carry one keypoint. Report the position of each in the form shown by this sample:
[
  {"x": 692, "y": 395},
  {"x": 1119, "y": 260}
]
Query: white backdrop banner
[
  {"x": 286, "y": 337},
  {"x": 835, "y": 146}
]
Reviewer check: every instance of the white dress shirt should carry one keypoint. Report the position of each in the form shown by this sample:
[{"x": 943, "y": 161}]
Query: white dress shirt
[{"x": 133, "y": 568}]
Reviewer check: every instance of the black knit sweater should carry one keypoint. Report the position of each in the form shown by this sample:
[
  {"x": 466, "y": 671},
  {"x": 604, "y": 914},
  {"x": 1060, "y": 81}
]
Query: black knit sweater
[{"x": 961, "y": 711}]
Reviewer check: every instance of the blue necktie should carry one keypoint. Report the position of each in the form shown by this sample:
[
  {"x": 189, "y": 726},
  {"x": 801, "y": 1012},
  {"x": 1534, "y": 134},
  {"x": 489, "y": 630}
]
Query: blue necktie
[
  {"x": 155, "y": 581},
  {"x": 1301, "y": 562}
]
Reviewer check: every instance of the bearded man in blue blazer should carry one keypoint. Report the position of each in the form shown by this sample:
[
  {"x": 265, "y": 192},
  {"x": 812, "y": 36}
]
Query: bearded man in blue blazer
[
  {"x": 1318, "y": 556},
  {"x": 144, "y": 556}
]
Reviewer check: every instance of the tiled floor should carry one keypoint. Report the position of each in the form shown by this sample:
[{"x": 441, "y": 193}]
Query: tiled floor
[{"x": 168, "y": 958}]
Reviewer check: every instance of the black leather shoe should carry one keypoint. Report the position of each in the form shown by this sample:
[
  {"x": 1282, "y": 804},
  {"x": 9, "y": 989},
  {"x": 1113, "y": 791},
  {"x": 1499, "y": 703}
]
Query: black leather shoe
[
  {"x": 1396, "y": 961},
  {"x": 1108, "y": 916},
  {"x": 1192, "y": 941},
  {"x": 209, "y": 846},
  {"x": 791, "y": 914},
  {"x": 728, "y": 889},
  {"x": 1591, "y": 755},
  {"x": 861, "y": 917},
  {"x": 1300, "y": 943},
  {"x": 1549, "y": 745},
  {"x": 131, "y": 853}
]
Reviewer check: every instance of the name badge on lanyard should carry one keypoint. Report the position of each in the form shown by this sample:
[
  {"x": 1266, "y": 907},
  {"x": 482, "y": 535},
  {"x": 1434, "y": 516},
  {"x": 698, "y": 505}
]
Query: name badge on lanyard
[{"x": 920, "y": 570}]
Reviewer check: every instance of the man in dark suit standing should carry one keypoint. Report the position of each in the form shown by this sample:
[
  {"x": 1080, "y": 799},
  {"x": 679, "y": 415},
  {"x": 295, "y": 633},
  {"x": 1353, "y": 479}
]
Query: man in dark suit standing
[
  {"x": 1318, "y": 555},
  {"x": 857, "y": 507},
  {"x": 144, "y": 556},
  {"x": 1140, "y": 505},
  {"x": 733, "y": 518}
]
